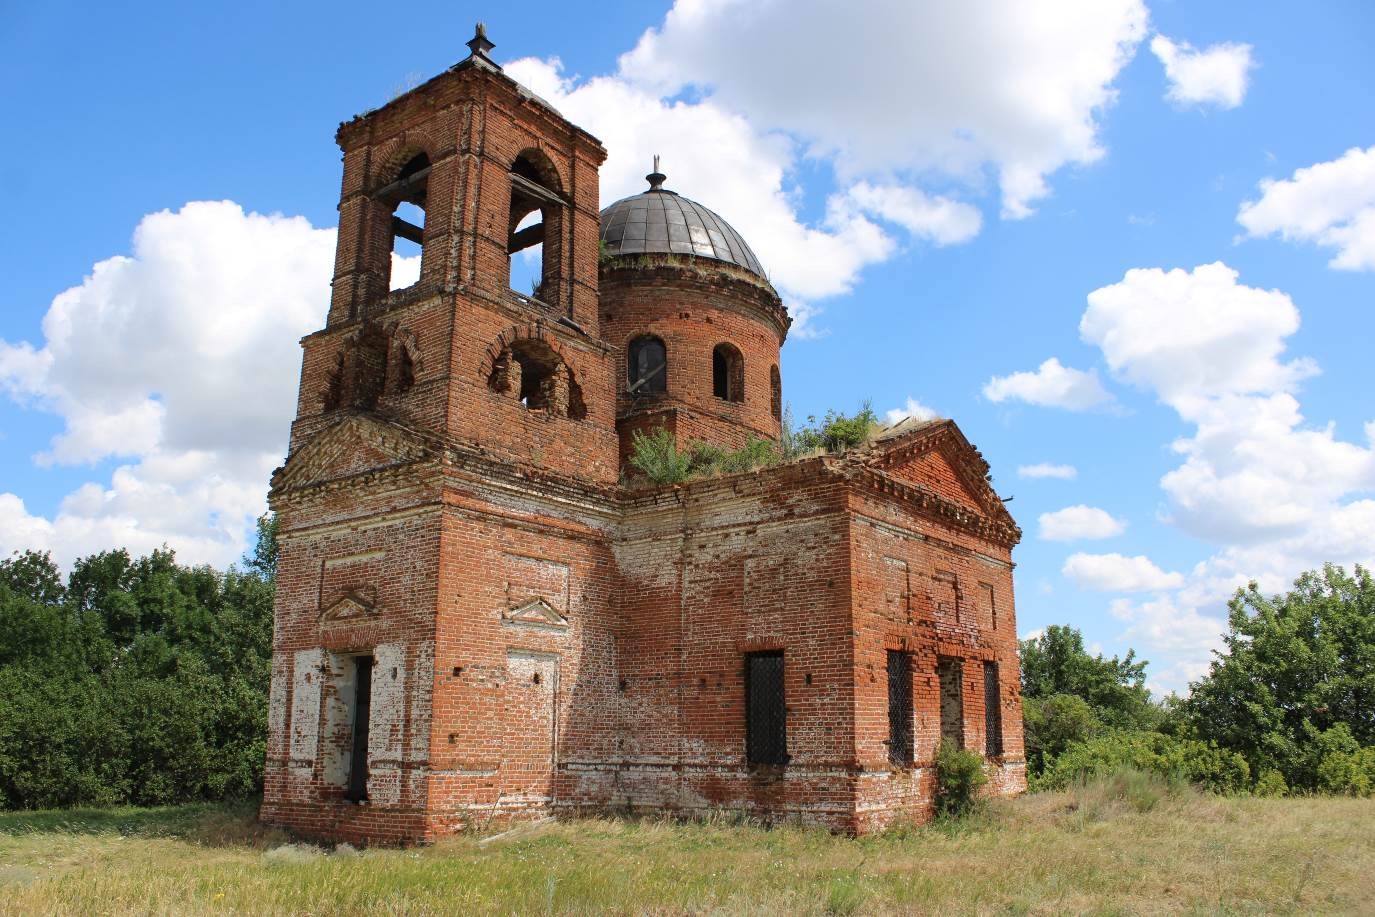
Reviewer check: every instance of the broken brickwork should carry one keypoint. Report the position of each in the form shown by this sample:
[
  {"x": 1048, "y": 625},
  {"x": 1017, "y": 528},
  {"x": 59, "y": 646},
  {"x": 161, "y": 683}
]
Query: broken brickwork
[{"x": 478, "y": 618}]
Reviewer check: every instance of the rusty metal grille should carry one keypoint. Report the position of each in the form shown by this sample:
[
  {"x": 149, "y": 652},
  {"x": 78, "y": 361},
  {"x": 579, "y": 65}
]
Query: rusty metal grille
[
  {"x": 766, "y": 738},
  {"x": 899, "y": 707},
  {"x": 993, "y": 711}
]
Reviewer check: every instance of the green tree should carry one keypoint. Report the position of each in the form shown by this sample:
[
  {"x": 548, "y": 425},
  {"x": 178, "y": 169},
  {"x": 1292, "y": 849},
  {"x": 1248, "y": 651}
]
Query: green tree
[
  {"x": 1053, "y": 724},
  {"x": 140, "y": 680},
  {"x": 1114, "y": 689},
  {"x": 1294, "y": 689},
  {"x": 263, "y": 560}
]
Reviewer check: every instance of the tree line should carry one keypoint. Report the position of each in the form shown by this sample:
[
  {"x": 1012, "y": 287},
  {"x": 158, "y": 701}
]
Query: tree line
[
  {"x": 1287, "y": 706},
  {"x": 135, "y": 680}
]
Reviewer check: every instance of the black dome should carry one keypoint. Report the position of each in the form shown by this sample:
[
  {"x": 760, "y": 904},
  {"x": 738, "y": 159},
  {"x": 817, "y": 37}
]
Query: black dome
[{"x": 660, "y": 221}]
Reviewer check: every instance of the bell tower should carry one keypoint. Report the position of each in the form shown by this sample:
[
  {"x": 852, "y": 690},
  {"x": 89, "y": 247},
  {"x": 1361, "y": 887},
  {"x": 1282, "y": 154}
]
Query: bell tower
[
  {"x": 446, "y": 423},
  {"x": 446, "y": 189}
]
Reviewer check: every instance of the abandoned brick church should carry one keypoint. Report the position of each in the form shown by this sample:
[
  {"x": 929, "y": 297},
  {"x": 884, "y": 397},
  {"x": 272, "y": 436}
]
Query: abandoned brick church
[{"x": 480, "y": 616}]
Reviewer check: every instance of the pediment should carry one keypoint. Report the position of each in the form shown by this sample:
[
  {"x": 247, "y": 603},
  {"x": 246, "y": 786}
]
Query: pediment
[
  {"x": 536, "y": 613},
  {"x": 354, "y": 445},
  {"x": 935, "y": 456},
  {"x": 350, "y": 606}
]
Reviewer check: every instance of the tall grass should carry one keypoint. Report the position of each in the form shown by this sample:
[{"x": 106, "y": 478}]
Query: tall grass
[{"x": 1125, "y": 843}]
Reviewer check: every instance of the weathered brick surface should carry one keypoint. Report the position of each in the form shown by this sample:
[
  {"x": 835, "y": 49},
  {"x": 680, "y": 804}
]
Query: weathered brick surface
[
  {"x": 692, "y": 306},
  {"x": 544, "y": 638}
]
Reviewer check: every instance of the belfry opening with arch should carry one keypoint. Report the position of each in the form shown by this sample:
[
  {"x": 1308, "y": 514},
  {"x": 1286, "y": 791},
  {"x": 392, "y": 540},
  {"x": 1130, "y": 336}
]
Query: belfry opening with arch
[{"x": 482, "y": 615}]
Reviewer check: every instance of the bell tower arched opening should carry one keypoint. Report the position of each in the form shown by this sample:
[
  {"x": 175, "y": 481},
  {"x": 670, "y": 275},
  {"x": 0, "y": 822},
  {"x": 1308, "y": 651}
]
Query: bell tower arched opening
[{"x": 535, "y": 228}]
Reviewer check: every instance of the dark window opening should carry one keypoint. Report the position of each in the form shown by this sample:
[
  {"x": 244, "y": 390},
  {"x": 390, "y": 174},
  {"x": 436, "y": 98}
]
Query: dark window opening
[
  {"x": 358, "y": 754},
  {"x": 775, "y": 393},
  {"x": 401, "y": 364},
  {"x": 727, "y": 373},
  {"x": 900, "y": 750},
  {"x": 407, "y": 195},
  {"x": 647, "y": 365},
  {"x": 950, "y": 674},
  {"x": 534, "y": 373},
  {"x": 405, "y": 370},
  {"x": 533, "y": 227},
  {"x": 993, "y": 711},
  {"x": 766, "y": 738}
]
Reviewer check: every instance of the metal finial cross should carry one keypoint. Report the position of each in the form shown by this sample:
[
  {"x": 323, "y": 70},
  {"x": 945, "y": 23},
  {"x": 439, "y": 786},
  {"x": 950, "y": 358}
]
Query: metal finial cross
[
  {"x": 656, "y": 178},
  {"x": 479, "y": 44}
]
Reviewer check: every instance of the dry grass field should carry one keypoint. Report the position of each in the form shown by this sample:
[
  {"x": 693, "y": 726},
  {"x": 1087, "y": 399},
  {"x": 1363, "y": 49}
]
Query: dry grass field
[{"x": 1127, "y": 845}]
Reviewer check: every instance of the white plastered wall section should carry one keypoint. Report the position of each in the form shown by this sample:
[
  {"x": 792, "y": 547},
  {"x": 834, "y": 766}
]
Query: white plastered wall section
[{"x": 319, "y": 692}]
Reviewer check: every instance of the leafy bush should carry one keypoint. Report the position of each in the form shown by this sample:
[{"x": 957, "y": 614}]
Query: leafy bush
[
  {"x": 658, "y": 456},
  {"x": 959, "y": 775},
  {"x": 1348, "y": 773},
  {"x": 1053, "y": 724},
  {"x": 1270, "y": 783},
  {"x": 1200, "y": 763},
  {"x": 1056, "y": 662},
  {"x": 836, "y": 432}
]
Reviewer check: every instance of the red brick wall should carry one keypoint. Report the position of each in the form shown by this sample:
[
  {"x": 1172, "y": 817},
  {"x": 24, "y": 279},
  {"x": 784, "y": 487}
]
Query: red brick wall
[
  {"x": 900, "y": 561},
  {"x": 708, "y": 573},
  {"x": 473, "y": 125},
  {"x": 379, "y": 540},
  {"x": 498, "y": 735}
]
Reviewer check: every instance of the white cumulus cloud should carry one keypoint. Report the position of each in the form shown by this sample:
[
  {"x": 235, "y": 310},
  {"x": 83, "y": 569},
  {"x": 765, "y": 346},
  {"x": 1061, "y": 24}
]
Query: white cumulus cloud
[
  {"x": 181, "y": 364},
  {"x": 937, "y": 219},
  {"x": 913, "y": 408},
  {"x": 1275, "y": 494},
  {"x": 1008, "y": 87},
  {"x": 1194, "y": 335},
  {"x": 1213, "y": 350},
  {"x": 1048, "y": 470},
  {"x": 1052, "y": 385},
  {"x": 1080, "y": 522},
  {"x": 718, "y": 158},
  {"x": 1217, "y": 75},
  {"x": 1331, "y": 204},
  {"x": 1118, "y": 573}
]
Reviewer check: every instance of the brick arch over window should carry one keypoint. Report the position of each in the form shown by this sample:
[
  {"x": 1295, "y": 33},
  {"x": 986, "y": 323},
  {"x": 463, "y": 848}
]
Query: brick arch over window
[
  {"x": 537, "y": 217},
  {"x": 525, "y": 364},
  {"x": 394, "y": 158},
  {"x": 727, "y": 372},
  {"x": 360, "y": 371},
  {"x": 403, "y": 360}
]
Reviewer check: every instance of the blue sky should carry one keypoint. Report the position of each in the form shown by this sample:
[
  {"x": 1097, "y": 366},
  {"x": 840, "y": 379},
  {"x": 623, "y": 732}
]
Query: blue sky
[{"x": 947, "y": 195}]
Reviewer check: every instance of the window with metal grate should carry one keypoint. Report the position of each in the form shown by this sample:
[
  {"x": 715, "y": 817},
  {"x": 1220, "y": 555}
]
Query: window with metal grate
[
  {"x": 900, "y": 749},
  {"x": 766, "y": 740},
  {"x": 993, "y": 711}
]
